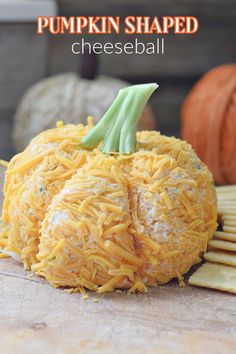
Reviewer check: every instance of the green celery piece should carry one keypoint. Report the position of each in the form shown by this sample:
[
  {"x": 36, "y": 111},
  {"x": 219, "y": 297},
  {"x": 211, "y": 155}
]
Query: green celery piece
[{"x": 117, "y": 128}]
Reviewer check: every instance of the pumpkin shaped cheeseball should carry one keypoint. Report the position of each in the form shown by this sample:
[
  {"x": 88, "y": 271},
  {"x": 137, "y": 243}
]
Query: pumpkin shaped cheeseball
[
  {"x": 139, "y": 217},
  {"x": 33, "y": 178}
]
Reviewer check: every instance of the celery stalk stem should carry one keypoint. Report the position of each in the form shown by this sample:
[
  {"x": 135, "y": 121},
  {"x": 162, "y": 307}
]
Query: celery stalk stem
[{"x": 117, "y": 128}]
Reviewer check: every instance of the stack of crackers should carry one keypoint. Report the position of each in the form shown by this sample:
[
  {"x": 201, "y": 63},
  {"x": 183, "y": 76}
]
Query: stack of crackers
[{"x": 219, "y": 271}]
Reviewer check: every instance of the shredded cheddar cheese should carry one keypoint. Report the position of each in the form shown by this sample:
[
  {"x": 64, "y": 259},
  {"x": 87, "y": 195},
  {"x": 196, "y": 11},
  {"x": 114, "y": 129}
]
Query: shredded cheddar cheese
[
  {"x": 33, "y": 178},
  {"x": 83, "y": 219}
]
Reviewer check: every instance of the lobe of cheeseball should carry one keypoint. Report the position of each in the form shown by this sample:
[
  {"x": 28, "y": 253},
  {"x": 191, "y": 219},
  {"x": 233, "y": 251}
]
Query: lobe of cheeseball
[
  {"x": 85, "y": 239},
  {"x": 33, "y": 178},
  {"x": 171, "y": 209}
]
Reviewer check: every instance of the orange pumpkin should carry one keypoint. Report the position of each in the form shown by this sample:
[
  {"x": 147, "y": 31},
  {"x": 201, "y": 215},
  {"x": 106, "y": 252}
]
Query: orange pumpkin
[{"x": 208, "y": 119}]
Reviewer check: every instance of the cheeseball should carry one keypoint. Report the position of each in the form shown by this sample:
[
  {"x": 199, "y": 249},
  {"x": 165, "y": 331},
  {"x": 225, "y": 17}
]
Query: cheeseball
[{"x": 129, "y": 221}]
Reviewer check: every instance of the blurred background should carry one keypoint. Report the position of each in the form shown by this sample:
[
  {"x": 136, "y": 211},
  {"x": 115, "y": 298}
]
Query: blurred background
[{"x": 26, "y": 58}]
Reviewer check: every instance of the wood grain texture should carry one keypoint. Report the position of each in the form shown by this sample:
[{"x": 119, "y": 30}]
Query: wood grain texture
[
  {"x": 36, "y": 318},
  {"x": 2, "y": 172},
  {"x": 23, "y": 61},
  {"x": 6, "y": 126}
]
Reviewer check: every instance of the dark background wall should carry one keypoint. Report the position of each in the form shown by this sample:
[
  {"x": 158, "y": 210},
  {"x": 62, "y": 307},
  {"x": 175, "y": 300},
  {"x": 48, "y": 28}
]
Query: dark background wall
[{"x": 26, "y": 57}]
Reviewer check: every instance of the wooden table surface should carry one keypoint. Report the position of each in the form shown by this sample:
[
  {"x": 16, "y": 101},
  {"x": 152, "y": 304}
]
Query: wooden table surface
[{"x": 35, "y": 318}]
